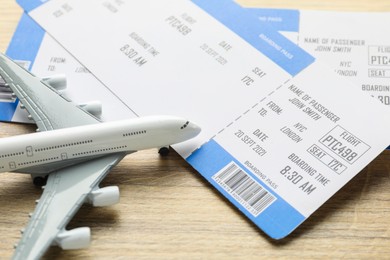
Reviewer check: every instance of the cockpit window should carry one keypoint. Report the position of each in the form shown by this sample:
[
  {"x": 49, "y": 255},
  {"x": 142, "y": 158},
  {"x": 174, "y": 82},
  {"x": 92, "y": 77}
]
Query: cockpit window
[{"x": 185, "y": 125}]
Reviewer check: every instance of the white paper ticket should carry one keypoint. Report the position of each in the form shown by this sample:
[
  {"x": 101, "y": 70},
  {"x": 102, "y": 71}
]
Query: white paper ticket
[{"x": 281, "y": 132}]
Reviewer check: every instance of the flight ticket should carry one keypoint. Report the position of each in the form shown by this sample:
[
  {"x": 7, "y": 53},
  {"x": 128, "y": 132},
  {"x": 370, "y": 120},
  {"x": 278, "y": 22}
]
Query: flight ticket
[
  {"x": 281, "y": 131},
  {"x": 354, "y": 44},
  {"x": 43, "y": 56}
]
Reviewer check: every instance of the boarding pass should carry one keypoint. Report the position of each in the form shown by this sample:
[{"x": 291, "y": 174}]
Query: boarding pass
[
  {"x": 280, "y": 133},
  {"x": 354, "y": 44}
]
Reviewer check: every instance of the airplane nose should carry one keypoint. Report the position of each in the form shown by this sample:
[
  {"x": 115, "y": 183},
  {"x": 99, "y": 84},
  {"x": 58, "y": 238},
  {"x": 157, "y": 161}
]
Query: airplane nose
[
  {"x": 194, "y": 128},
  {"x": 189, "y": 130}
]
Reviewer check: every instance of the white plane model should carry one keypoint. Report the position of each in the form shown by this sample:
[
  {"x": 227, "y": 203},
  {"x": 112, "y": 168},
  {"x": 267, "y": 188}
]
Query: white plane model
[{"x": 74, "y": 151}]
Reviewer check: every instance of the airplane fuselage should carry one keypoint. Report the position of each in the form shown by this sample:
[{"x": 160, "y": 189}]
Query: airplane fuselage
[{"x": 71, "y": 144}]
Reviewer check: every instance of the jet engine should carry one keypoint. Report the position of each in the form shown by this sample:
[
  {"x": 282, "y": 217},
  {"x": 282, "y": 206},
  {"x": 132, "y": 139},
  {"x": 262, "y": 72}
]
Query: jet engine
[
  {"x": 57, "y": 82},
  {"x": 77, "y": 238},
  {"x": 93, "y": 107},
  {"x": 106, "y": 196}
]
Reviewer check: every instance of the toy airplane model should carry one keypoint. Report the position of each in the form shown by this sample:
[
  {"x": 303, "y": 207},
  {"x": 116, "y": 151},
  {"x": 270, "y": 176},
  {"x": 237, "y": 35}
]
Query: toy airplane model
[{"x": 76, "y": 151}]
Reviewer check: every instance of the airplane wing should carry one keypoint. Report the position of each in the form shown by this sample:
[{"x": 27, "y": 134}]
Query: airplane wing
[
  {"x": 66, "y": 189},
  {"x": 47, "y": 107},
  {"x": 64, "y": 194}
]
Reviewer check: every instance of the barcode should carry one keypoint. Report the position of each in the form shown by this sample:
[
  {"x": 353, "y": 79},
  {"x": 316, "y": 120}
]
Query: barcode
[{"x": 246, "y": 190}]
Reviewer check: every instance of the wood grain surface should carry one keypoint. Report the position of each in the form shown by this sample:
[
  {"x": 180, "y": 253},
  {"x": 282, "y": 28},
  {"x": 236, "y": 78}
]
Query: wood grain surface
[{"x": 167, "y": 211}]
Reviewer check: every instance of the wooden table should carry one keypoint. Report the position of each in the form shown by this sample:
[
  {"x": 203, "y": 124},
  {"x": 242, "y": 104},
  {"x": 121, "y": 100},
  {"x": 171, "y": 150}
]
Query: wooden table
[{"x": 168, "y": 211}]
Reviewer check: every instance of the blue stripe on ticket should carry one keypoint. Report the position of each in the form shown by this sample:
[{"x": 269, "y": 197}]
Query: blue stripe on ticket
[
  {"x": 280, "y": 19},
  {"x": 7, "y": 110},
  {"x": 28, "y": 33},
  {"x": 264, "y": 38},
  {"x": 29, "y": 5},
  {"x": 261, "y": 205}
]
